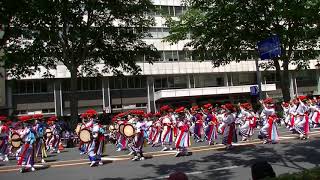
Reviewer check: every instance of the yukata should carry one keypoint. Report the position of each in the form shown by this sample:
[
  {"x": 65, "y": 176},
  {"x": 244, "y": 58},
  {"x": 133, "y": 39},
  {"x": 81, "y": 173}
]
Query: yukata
[
  {"x": 95, "y": 147},
  {"x": 183, "y": 138},
  {"x": 4, "y": 143},
  {"x": 247, "y": 129},
  {"x": 211, "y": 130},
  {"x": 26, "y": 156},
  {"x": 138, "y": 140},
  {"x": 314, "y": 115},
  {"x": 40, "y": 142},
  {"x": 228, "y": 129},
  {"x": 269, "y": 132},
  {"x": 167, "y": 132},
  {"x": 198, "y": 127},
  {"x": 302, "y": 122},
  {"x": 56, "y": 138}
]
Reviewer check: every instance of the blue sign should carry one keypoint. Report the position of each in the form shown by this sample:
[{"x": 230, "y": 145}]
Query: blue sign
[
  {"x": 254, "y": 90},
  {"x": 269, "y": 48}
]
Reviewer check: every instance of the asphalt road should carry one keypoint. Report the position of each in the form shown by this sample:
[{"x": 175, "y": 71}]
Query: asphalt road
[{"x": 206, "y": 162}]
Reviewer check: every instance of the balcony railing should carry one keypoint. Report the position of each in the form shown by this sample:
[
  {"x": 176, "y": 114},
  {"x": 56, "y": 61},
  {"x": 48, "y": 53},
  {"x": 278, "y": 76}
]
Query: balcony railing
[{"x": 171, "y": 93}]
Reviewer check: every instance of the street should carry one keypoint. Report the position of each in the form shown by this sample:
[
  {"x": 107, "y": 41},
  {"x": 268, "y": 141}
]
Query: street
[{"x": 206, "y": 162}]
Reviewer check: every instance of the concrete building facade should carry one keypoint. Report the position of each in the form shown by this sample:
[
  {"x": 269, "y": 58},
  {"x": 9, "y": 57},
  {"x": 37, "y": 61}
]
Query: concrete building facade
[{"x": 177, "y": 78}]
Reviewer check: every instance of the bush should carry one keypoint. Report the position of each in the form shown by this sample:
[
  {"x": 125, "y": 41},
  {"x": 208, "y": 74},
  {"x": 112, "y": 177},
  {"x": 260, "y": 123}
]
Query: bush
[{"x": 312, "y": 174}]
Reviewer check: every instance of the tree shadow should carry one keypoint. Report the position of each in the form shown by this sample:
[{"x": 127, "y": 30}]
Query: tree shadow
[{"x": 290, "y": 155}]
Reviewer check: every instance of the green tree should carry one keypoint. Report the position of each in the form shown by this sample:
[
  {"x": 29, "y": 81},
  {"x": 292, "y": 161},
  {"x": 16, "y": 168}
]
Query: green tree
[
  {"x": 80, "y": 34},
  {"x": 228, "y": 30}
]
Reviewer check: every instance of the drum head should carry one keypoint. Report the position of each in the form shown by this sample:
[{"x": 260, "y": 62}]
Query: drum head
[
  {"x": 121, "y": 127},
  {"x": 48, "y": 133},
  {"x": 128, "y": 130},
  {"x": 16, "y": 140},
  {"x": 111, "y": 128},
  {"x": 85, "y": 135},
  {"x": 78, "y": 128}
]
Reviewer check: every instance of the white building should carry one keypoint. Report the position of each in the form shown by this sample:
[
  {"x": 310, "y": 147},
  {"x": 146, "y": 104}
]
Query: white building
[{"x": 176, "y": 79}]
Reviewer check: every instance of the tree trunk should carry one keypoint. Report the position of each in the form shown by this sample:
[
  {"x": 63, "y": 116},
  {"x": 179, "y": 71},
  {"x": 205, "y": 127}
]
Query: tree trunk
[
  {"x": 284, "y": 79},
  {"x": 285, "y": 85},
  {"x": 73, "y": 97}
]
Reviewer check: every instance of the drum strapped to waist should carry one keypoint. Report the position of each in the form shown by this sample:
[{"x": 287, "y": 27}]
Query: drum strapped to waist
[
  {"x": 79, "y": 127},
  {"x": 85, "y": 135},
  {"x": 128, "y": 130},
  {"x": 121, "y": 127},
  {"x": 112, "y": 128},
  {"x": 48, "y": 133},
  {"x": 16, "y": 140},
  {"x": 116, "y": 126}
]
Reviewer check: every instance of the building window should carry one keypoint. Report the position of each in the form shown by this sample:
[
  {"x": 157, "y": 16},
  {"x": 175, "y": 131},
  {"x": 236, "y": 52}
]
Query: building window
[
  {"x": 48, "y": 111},
  {"x": 220, "y": 81},
  {"x": 171, "y": 82},
  {"x": 178, "y": 11},
  {"x": 22, "y": 112},
  {"x": 161, "y": 83},
  {"x": 116, "y": 106},
  {"x": 169, "y": 10},
  {"x": 141, "y": 105},
  {"x": 128, "y": 82},
  {"x": 31, "y": 87},
  {"x": 84, "y": 84},
  {"x": 159, "y": 32}
]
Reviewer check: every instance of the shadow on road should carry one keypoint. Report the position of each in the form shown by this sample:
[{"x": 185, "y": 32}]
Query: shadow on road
[{"x": 288, "y": 155}]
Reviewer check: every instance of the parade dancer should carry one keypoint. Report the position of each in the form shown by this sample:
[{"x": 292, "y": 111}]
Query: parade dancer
[
  {"x": 122, "y": 142},
  {"x": 150, "y": 127},
  {"x": 198, "y": 124},
  {"x": 286, "y": 109},
  {"x": 228, "y": 127},
  {"x": 167, "y": 131},
  {"x": 156, "y": 139},
  {"x": 292, "y": 114},
  {"x": 314, "y": 113},
  {"x": 87, "y": 123},
  {"x": 269, "y": 133},
  {"x": 139, "y": 137},
  {"x": 183, "y": 138},
  {"x": 211, "y": 122},
  {"x": 302, "y": 122},
  {"x": 26, "y": 156},
  {"x": 95, "y": 149},
  {"x": 4, "y": 139},
  {"x": 39, "y": 128},
  {"x": 248, "y": 116},
  {"x": 56, "y": 137}
]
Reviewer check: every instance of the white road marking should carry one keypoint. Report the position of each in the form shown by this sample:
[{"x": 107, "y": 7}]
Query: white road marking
[
  {"x": 196, "y": 172},
  {"x": 161, "y": 153}
]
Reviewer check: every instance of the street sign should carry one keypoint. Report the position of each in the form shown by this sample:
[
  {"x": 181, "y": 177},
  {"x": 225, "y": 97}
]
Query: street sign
[
  {"x": 269, "y": 48},
  {"x": 107, "y": 110},
  {"x": 254, "y": 90}
]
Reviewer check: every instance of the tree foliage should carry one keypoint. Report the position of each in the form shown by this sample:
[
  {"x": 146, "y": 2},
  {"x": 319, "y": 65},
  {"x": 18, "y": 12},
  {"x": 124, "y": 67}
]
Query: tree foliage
[
  {"x": 228, "y": 30},
  {"x": 79, "y": 34}
]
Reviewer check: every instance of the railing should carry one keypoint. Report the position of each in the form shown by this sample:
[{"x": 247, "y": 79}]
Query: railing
[{"x": 209, "y": 91}]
